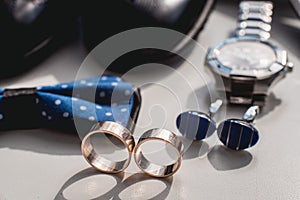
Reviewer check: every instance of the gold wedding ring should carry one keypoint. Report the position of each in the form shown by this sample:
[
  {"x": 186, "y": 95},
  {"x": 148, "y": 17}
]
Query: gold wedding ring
[
  {"x": 113, "y": 131},
  {"x": 151, "y": 168}
]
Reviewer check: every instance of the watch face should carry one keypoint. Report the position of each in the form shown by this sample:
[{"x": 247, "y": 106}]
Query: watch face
[{"x": 246, "y": 55}]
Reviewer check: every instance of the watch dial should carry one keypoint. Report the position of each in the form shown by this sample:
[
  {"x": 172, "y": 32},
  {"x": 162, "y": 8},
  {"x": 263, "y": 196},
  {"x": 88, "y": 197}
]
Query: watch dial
[{"x": 246, "y": 55}]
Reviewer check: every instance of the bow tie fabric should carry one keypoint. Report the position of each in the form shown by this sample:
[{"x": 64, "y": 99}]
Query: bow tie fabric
[{"x": 106, "y": 98}]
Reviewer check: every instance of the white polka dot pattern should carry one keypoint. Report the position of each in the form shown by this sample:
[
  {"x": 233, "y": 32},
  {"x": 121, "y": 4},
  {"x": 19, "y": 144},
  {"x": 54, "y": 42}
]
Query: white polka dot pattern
[
  {"x": 102, "y": 94},
  {"x": 108, "y": 114},
  {"x": 57, "y": 102},
  {"x": 91, "y": 118},
  {"x": 66, "y": 114},
  {"x": 98, "y": 107},
  {"x": 127, "y": 92},
  {"x": 123, "y": 110},
  {"x": 83, "y": 108}
]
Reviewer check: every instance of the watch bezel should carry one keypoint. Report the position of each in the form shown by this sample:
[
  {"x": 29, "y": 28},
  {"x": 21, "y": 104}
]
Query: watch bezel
[{"x": 278, "y": 65}]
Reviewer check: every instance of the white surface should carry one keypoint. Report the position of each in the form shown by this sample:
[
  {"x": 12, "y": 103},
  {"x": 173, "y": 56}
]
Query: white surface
[{"x": 40, "y": 164}]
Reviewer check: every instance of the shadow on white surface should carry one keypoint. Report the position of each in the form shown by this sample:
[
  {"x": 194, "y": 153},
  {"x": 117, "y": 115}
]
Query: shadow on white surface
[
  {"x": 42, "y": 141},
  {"x": 271, "y": 103},
  {"x": 237, "y": 111},
  {"x": 204, "y": 97},
  {"x": 224, "y": 159},
  {"x": 122, "y": 184},
  {"x": 197, "y": 149}
]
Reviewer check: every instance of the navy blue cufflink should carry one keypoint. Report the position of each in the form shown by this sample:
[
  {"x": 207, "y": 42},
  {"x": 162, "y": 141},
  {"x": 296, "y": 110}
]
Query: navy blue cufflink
[
  {"x": 236, "y": 134},
  {"x": 239, "y": 134},
  {"x": 196, "y": 125}
]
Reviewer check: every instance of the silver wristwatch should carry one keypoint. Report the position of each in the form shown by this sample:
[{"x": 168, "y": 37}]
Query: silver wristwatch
[{"x": 247, "y": 65}]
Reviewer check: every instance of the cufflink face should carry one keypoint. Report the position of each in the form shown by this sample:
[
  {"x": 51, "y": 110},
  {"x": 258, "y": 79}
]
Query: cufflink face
[
  {"x": 195, "y": 125},
  {"x": 237, "y": 134}
]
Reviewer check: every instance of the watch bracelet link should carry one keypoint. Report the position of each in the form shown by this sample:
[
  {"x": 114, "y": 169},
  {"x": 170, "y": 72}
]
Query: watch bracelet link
[
  {"x": 240, "y": 89},
  {"x": 242, "y": 92},
  {"x": 255, "y": 19}
]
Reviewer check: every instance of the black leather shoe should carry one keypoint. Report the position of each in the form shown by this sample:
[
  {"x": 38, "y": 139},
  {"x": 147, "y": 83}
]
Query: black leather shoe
[
  {"x": 31, "y": 30},
  {"x": 101, "y": 22}
]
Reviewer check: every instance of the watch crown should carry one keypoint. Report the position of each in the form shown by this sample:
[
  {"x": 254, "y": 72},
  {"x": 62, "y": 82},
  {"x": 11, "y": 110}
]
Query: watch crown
[{"x": 290, "y": 66}]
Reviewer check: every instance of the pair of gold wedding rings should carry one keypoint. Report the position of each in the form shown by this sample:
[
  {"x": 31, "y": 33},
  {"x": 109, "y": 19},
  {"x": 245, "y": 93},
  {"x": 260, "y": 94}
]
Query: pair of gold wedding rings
[{"x": 119, "y": 132}]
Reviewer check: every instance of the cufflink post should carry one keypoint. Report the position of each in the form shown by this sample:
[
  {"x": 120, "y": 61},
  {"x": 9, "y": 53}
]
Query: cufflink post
[
  {"x": 214, "y": 107},
  {"x": 251, "y": 113}
]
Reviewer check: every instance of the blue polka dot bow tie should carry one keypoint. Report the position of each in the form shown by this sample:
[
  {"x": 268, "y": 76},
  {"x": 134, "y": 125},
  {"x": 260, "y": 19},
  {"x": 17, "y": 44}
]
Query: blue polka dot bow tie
[{"x": 106, "y": 98}]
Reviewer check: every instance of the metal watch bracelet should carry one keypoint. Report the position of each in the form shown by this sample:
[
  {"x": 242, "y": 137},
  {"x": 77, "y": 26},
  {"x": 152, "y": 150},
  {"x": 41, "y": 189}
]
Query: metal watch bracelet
[{"x": 255, "y": 19}]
